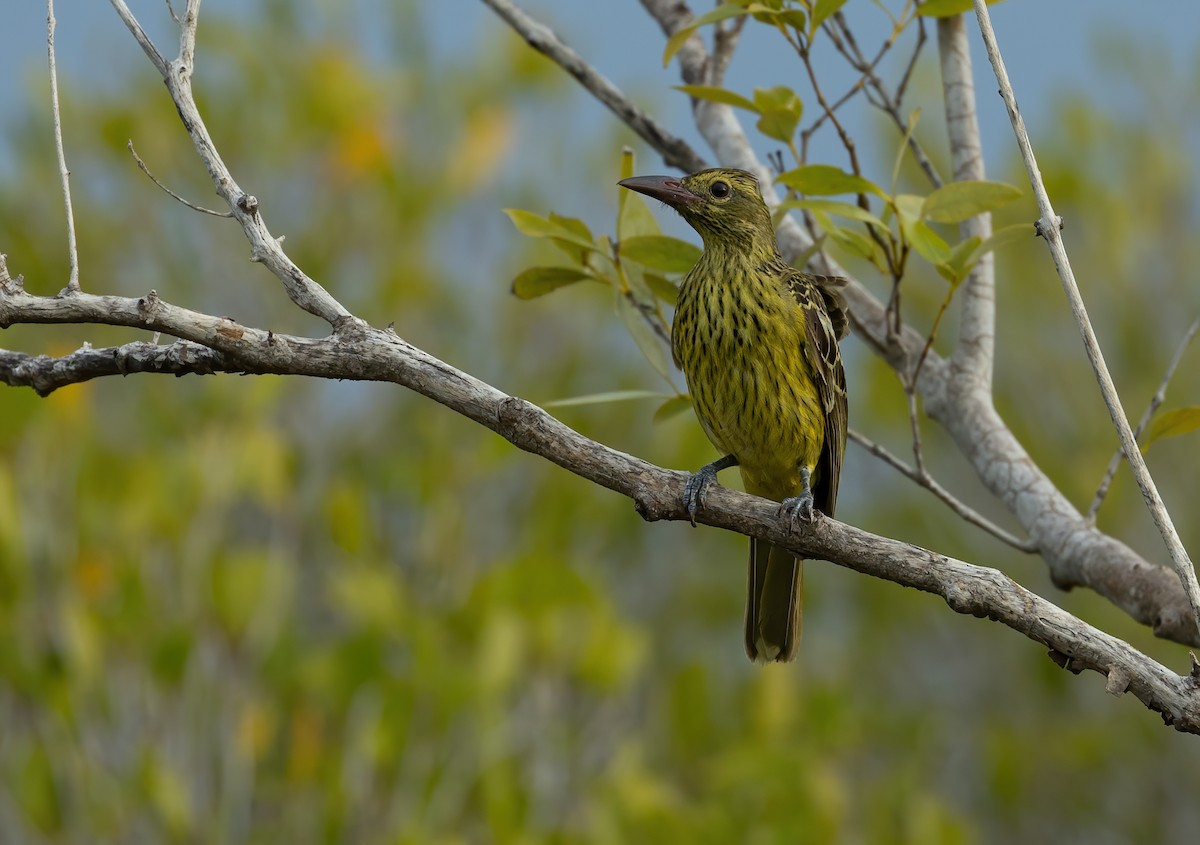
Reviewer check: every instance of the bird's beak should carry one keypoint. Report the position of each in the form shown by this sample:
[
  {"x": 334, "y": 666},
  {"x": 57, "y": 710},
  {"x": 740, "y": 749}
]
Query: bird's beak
[{"x": 666, "y": 188}]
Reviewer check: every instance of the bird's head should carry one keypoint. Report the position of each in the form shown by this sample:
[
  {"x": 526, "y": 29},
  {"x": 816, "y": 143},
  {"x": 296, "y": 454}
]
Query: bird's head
[{"x": 722, "y": 204}]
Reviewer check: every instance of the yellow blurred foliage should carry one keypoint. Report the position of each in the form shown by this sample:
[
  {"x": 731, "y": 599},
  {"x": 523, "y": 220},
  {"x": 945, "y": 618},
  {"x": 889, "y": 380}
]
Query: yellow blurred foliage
[
  {"x": 482, "y": 145},
  {"x": 306, "y": 745},
  {"x": 256, "y": 730}
]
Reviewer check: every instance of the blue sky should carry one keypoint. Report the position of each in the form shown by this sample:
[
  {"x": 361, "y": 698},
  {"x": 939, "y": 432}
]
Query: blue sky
[{"x": 1049, "y": 45}]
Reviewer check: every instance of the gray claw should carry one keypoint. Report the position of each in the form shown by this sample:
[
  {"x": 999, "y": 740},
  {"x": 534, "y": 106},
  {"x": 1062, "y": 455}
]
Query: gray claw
[
  {"x": 696, "y": 490},
  {"x": 799, "y": 507}
]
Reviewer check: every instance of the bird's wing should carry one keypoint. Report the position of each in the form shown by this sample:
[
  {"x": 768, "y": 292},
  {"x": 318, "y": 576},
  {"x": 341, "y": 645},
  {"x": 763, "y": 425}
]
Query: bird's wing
[
  {"x": 826, "y": 322},
  {"x": 830, "y": 288}
]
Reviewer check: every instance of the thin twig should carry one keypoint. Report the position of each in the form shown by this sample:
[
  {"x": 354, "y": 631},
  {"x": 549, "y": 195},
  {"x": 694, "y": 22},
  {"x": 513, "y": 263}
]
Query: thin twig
[
  {"x": 675, "y": 151},
  {"x": 914, "y": 424},
  {"x": 1156, "y": 401},
  {"x": 1049, "y": 228},
  {"x": 142, "y": 166},
  {"x": 924, "y": 479},
  {"x": 265, "y": 247},
  {"x": 888, "y": 103},
  {"x": 63, "y": 173},
  {"x": 803, "y": 51}
]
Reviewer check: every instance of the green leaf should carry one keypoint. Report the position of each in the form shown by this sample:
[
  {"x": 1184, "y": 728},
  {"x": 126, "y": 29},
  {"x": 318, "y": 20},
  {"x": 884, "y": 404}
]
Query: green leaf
[
  {"x": 780, "y": 109},
  {"x": 673, "y": 407},
  {"x": 572, "y": 224},
  {"x": 928, "y": 243},
  {"x": 823, "y": 10},
  {"x": 644, "y": 336},
  {"x": 601, "y": 398},
  {"x": 908, "y": 207},
  {"x": 662, "y": 288},
  {"x": 659, "y": 252},
  {"x": 841, "y": 209},
  {"x": 960, "y": 201},
  {"x": 535, "y": 226},
  {"x": 856, "y": 243},
  {"x": 539, "y": 281},
  {"x": 717, "y": 95},
  {"x": 825, "y": 179},
  {"x": 1172, "y": 424},
  {"x": 947, "y": 8},
  {"x": 962, "y": 259},
  {"x": 676, "y": 41},
  {"x": 794, "y": 18}
]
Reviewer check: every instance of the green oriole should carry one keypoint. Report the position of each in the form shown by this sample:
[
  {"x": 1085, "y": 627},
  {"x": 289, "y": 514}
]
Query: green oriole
[{"x": 758, "y": 343}]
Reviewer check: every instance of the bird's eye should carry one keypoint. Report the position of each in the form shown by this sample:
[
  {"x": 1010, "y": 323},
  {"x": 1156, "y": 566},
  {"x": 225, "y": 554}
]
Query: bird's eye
[{"x": 720, "y": 190}]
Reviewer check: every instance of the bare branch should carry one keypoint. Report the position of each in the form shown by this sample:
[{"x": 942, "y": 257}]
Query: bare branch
[
  {"x": 46, "y": 374},
  {"x": 1049, "y": 228},
  {"x": 63, "y": 173},
  {"x": 1156, "y": 401},
  {"x": 264, "y": 247},
  {"x": 922, "y": 477},
  {"x": 975, "y": 352},
  {"x": 675, "y": 151},
  {"x": 887, "y": 102},
  {"x": 142, "y": 166},
  {"x": 360, "y": 352}
]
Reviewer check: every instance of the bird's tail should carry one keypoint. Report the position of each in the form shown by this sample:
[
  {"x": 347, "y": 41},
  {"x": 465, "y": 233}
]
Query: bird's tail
[{"x": 774, "y": 618}]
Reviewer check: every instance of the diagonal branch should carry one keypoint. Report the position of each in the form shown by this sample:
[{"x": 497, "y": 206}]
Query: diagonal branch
[
  {"x": 1049, "y": 228},
  {"x": 676, "y": 152},
  {"x": 264, "y": 247},
  {"x": 1156, "y": 401},
  {"x": 359, "y": 352},
  {"x": 921, "y": 476}
]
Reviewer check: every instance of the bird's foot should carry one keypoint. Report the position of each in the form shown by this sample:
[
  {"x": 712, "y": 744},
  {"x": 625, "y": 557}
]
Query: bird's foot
[
  {"x": 697, "y": 489},
  {"x": 799, "y": 507},
  {"x": 697, "y": 486}
]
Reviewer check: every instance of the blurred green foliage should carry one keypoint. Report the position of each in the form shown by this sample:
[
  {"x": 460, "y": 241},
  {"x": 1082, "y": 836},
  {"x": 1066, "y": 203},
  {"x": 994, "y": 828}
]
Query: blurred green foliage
[{"x": 264, "y": 610}]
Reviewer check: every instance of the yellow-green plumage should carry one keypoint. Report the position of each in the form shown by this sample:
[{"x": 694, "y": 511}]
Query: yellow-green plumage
[{"x": 758, "y": 343}]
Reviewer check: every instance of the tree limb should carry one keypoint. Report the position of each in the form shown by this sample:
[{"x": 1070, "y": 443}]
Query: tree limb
[
  {"x": 1049, "y": 227},
  {"x": 974, "y": 355},
  {"x": 359, "y": 352},
  {"x": 45, "y": 374}
]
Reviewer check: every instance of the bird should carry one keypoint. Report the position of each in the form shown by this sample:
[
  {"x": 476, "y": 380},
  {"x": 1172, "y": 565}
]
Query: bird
[{"x": 757, "y": 341}]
